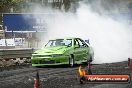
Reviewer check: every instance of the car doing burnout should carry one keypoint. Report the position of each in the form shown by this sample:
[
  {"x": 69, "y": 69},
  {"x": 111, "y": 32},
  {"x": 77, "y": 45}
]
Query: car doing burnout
[{"x": 63, "y": 51}]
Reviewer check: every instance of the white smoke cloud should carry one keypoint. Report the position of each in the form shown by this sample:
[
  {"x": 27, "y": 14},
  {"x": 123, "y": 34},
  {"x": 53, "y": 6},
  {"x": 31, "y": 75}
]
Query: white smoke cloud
[{"x": 110, "y": 39}]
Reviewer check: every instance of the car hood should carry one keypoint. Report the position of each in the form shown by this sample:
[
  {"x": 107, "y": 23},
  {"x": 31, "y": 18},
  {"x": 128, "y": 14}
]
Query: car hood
[{"x": 52, "y": 50}]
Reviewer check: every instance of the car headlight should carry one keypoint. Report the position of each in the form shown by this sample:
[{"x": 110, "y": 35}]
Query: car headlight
[{"x": 57, "y": 55}]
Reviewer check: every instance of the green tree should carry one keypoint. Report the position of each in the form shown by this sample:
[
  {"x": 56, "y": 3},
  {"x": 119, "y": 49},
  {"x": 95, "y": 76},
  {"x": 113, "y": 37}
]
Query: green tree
[{"x": 6, "y": 5}]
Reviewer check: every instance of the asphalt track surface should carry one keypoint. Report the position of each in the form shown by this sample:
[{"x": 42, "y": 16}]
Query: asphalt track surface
[{"x": 60, "y": 76}]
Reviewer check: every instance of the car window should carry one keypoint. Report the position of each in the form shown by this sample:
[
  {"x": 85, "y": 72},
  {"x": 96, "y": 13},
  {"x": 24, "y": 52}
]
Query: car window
[
  {"x": 82, "y": 43},
  {"x": 67, "y": 42},
  {"x": 76, "y": 42},
  {"x": 59, "y": 42}
]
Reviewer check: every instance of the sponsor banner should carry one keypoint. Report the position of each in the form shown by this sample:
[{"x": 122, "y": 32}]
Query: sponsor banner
[
  {"x": 25, "y": 22},
  {"x": 19, "y": 41},
  {"x": 108, "y": 78},
  {"x": 2, "y": 42},
  {"x": 10, "y": 42}
]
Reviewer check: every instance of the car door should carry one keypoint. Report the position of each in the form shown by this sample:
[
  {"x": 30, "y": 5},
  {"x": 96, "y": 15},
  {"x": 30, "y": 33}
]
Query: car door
[{"x": 81, "y": 52}]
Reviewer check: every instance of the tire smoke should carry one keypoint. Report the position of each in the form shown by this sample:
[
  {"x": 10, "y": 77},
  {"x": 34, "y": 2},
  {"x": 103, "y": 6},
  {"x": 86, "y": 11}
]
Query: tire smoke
[{"x": 110, "y": 39}]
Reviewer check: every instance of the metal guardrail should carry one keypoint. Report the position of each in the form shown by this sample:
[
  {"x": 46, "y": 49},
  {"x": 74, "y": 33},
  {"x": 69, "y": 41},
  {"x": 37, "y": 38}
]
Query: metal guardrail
[
  {"x": 15, "y": 53},
  {"x": 10, "y": 57}
]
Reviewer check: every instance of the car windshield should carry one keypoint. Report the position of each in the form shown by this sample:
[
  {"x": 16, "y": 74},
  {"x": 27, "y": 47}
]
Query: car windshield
[{"x": 59, "y": 42}]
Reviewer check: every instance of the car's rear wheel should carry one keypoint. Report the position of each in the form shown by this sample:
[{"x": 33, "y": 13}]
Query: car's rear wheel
[{"x": 71, "y": 61}]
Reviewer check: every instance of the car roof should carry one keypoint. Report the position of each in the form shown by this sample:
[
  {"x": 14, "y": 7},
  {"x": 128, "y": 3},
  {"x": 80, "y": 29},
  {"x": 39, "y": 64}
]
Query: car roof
[{"x": 64, "y": 38}]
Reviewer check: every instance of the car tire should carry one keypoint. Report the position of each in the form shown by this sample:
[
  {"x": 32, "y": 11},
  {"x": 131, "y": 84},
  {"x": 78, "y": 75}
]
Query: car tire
[{"x": 71, "y": 61}]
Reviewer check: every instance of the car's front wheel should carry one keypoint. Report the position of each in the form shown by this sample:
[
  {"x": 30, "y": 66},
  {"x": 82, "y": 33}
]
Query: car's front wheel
[{"x": 71, "y": 61}]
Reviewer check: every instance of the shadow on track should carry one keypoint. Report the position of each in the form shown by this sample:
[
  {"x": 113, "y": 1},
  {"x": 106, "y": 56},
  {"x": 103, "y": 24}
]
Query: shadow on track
[{"x": 61, "y": 66}]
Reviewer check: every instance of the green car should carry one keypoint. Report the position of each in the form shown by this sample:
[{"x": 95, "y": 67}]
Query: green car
[{"x": 63, "y": 51}]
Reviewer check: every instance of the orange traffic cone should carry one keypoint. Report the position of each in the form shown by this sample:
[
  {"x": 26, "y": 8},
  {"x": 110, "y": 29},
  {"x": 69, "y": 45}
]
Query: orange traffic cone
[
  {"x": 81, "y": 75},
  {"x": 129, "y": 64},
  {"x": 81, "y": 71},
  {"x": 37, "y": 81}
]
